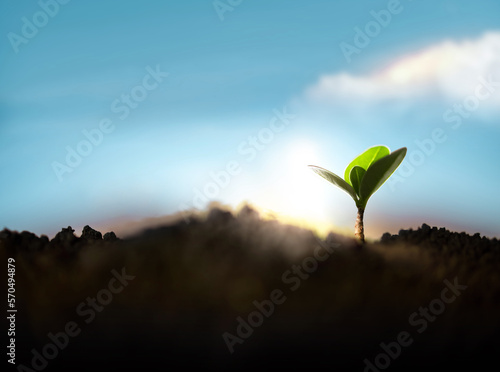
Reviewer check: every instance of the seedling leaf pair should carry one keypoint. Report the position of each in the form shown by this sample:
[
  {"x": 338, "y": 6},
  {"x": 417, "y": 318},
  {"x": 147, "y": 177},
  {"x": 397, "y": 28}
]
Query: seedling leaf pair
[
  {"x": 364, "y": 175},
  {"x": 379, "y": 172},
  {"x": 365, "y": 159}
]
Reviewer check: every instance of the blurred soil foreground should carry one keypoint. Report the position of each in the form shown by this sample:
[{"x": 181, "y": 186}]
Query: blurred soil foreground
[{"x": 231, "y": 291}]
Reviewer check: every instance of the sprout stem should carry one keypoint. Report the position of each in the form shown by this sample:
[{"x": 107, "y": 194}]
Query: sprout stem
[{"x": 358, "y": 227}]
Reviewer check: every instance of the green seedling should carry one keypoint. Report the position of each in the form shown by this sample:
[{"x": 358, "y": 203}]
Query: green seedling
[{"x": 363, "y": 176}]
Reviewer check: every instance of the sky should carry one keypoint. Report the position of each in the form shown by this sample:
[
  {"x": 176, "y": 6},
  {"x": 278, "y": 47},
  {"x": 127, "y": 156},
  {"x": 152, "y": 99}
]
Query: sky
[{"x": 116, "y": 113}]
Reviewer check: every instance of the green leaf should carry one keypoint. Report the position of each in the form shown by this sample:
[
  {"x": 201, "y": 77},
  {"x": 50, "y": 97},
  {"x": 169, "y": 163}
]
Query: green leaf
[
  {"x": 356, "y": 176},
  {"x": 365, "y": 159},
  {"x": 336, "y": 180},
  {"x": 379, "y": 172}
]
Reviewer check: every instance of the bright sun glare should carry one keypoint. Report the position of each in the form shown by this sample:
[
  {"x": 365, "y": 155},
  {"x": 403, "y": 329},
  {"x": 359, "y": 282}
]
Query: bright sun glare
[{"x": 296, "y": 195}]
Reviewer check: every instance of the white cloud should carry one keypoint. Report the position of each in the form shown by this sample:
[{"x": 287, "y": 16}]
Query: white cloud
[{"x": 450, "y": 70}]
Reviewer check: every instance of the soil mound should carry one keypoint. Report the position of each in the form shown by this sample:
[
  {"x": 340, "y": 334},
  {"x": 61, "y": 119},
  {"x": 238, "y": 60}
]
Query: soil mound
[{"x": 235, "y": 292}]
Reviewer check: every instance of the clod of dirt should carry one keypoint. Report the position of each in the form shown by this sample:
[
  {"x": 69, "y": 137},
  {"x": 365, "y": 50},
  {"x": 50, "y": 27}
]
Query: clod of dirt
[
  {"x": 91, "y": 234},
  {"x": 110, "y": 236}
]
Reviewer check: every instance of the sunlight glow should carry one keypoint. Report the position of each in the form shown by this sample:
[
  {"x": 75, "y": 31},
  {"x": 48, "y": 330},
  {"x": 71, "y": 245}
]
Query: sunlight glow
[{"x": 296, "y": 195}]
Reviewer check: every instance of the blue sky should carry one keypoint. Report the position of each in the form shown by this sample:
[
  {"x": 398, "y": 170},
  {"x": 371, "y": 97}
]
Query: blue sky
[{"x": 281, "y": 72}]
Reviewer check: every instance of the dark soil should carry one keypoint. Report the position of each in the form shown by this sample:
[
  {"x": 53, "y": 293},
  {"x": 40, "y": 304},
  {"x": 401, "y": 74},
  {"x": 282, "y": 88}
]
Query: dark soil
[{"x": 197, "y": 280}]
